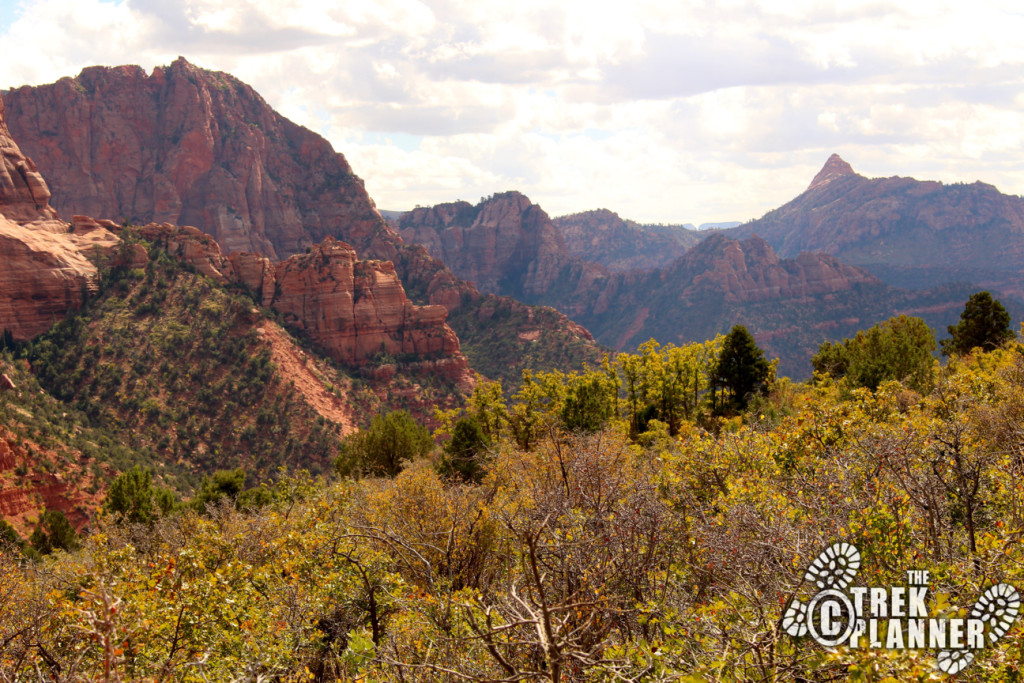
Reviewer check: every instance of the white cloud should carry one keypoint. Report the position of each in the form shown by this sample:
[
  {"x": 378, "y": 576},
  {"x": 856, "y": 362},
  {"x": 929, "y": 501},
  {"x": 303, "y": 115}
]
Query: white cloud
[{"x": 659, "y": 109}]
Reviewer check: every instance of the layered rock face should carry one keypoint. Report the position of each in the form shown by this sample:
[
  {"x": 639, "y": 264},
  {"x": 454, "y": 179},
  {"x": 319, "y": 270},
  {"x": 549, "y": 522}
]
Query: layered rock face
[
  {"x": 906, "y": 231},
  {"x": 45, "y": 271},
  {"x": 24, "y": 195},
  {"x": 355, "y": 310},
  {"x": 505, "y": 245},
  {"x": 358, "y": 309},
  {"x": 617, "y": 244},
  {"x": 192, "y": 147}
]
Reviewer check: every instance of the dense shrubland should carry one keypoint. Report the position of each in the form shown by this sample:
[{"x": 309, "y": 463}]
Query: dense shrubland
[{"x": 637, "y": 521}]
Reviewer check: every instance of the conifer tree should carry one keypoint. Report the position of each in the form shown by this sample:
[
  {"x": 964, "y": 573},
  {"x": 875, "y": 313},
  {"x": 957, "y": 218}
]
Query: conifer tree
[
  {"x": 984, "y": 323},
  {"x": 742, "y": 367}
]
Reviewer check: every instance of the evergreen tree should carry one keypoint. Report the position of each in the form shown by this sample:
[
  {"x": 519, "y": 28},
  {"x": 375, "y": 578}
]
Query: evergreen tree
[
  {"x": 389, "y": 441},
  {"x": 896, "y": 349},
  {"x": 53, "y": 532},
  {"x": 588, "y": 405},
  {"x": 133, "y": 496},
  {"x": 463, "y": 450},
  {"x": 9, "y": 536},
  {"x": 742, "y": 367},
  {"x": 984, "y": 323},
  {"x": 223, "y": 484}
]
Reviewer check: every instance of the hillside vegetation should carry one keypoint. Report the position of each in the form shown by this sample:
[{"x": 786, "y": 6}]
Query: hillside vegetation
[
  {"x": 176, "y": 366},
  {"x": 630, "y": 522}
]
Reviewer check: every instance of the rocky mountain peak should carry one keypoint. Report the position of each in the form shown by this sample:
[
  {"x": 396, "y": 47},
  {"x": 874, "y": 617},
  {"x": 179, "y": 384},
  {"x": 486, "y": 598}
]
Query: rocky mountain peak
[
  {"x": 834, "y": 168},
  {"x": 190, "y": 146}
]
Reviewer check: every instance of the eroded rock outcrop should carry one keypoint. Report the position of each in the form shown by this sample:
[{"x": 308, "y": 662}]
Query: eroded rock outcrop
[
  {"x": 188, "y": 146},
  {"x": 355, "y": 310},
  {"x": 45, "y": 270},
  {"x": 358, "y": 309}
]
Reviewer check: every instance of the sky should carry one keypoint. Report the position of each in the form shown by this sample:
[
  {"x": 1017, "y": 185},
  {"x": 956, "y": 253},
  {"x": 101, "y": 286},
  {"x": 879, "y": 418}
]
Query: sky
[{"x": 676, "y": 111}]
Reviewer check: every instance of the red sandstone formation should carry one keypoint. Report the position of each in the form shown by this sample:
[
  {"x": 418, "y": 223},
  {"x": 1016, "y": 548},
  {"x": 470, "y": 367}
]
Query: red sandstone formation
[
  {"x": 355, "y": 310},
  {"x": 45, "y": 271},
  {"x": 188, "y": 146}
]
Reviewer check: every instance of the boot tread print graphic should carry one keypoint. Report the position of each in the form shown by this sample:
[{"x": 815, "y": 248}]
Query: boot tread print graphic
[
  {"x": 998, "y": 607},
  {"x": 834, "y": 568}
]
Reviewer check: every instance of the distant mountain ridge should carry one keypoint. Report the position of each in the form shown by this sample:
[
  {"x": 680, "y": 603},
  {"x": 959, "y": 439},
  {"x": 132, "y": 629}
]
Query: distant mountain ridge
[
  {"x": 618, "y": 244},
  {"x": 909, "y": 232},
  {"x": 790, "y": 304}
]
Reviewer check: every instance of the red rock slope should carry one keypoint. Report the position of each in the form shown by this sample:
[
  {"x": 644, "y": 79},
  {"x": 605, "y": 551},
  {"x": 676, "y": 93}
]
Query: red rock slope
[
  {"x": 45, "y": 272},
  {"x": 191, "y": 147}
]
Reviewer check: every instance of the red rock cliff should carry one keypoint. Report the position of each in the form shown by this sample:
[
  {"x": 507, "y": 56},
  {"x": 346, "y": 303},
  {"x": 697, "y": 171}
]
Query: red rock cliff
[
  {"x": 191, "y": 147},
  {"x": 44, "y": 271},
  {"x": 505, "y": 245},
  {"x": 355, "y": 310}
]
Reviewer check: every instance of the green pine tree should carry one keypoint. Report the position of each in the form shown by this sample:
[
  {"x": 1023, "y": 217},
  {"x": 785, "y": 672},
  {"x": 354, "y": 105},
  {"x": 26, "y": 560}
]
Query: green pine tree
[
  {"x": 742, "y": 368},
  {"x": 984, "y": 323}
]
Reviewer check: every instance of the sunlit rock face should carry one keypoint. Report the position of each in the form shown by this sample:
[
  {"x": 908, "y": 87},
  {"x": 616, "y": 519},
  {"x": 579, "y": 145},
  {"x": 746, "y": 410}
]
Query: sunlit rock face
[{"x": 188, "y": 146}]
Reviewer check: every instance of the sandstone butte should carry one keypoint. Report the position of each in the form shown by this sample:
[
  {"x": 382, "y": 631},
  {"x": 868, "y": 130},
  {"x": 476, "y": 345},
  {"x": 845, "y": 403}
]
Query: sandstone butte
[
  {"x": 192, "y": 147},
  {"x": 187, "y": 146},
  {"x": 353, "y": 309}
]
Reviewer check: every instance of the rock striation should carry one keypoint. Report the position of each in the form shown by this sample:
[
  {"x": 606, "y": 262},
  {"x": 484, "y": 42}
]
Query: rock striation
[
  {"x": 45, "y": 271},
  {"x": 356, "y": 311},
  {"x": 188, "y": 146}
]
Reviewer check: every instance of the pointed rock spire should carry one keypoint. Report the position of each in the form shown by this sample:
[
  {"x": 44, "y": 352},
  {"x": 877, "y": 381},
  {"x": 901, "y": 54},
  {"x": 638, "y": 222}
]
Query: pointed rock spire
[{"x": 834, "y": 168}]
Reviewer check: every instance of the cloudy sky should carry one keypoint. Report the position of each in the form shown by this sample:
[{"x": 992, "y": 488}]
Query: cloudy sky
[{"x": 676, "y": 111}]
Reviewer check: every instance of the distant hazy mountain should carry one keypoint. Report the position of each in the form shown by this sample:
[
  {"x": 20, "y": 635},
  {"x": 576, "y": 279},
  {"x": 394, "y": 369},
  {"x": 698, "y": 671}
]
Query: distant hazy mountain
[
  {"x": 908, "y": 232},
  {"x": 719, "y": 226},
  {"x": 508, "y": 245},
  {"x": 620, "y": 244}
]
